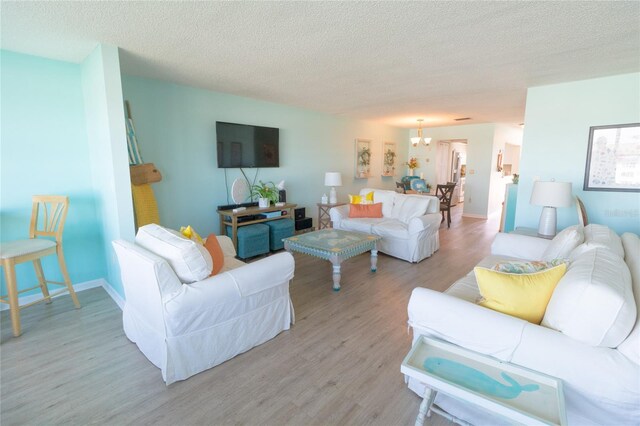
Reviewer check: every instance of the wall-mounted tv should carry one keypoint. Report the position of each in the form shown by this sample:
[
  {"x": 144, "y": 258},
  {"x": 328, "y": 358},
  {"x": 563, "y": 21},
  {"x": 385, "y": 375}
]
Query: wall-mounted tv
[{"x": 241, "y": 145}]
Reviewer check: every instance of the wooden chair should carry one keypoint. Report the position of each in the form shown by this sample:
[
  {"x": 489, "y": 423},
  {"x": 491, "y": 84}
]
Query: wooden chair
[
  {"x": 445, "y": 194},
  {"x": 47, "y": 220}
]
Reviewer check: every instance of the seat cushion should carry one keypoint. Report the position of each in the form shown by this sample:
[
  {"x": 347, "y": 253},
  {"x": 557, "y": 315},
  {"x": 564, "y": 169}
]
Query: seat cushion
[
  {"x": 190, "y": 261},
  {"x": 391, "y": 229},
  {"x": 362, "y": 224},
  {"x": 17, "y": 248},
  {"x": 593, "y": 302}
]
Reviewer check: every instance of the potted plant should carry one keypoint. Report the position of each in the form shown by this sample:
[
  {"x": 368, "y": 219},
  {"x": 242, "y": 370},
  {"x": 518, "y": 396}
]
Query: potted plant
[{"x": 266, "y": 192}]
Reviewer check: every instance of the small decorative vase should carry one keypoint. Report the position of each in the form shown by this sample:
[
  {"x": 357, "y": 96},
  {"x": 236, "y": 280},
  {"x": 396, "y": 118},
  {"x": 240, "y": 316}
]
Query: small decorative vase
[
  {"x": 411, "y": 172},
  {"x": 263, "y": 203}
]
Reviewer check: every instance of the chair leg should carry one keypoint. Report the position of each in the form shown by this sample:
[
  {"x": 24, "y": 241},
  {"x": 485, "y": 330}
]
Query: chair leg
[
  {"x": 442, "y": 211},
  {"x": 449, "y": 218},
  {"x": 37, "y": 265},
  {"x": 65, "y": 275},
  {"x": 12, "y": 289}
]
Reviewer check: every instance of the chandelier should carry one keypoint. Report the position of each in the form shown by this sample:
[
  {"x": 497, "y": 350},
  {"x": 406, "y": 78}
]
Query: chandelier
[{"x": 416, "y": 140}]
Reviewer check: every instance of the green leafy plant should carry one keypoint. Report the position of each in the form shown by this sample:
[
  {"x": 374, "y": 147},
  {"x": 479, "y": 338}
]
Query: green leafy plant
[
  {"x": 266, "y": 190},
  {"x": 364, "y": 156}
]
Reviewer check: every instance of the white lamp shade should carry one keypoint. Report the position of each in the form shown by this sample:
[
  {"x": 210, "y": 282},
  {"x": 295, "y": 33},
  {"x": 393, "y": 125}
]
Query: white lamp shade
[
  {"x": 415, "y": 141},
  {"x": 332, "y": 179},
  {"x": 551, "y": 194}
]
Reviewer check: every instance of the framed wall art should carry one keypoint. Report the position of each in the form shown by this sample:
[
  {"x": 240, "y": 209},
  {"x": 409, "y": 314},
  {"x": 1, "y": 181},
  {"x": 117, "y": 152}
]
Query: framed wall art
[
  {"x": 363, "y": 158},
  {"x": 389, "y": 159},
  {"x": 613, "y": 158}
]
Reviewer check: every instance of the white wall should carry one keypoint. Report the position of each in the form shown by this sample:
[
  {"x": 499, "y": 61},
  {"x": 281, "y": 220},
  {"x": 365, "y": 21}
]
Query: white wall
[
  {"x": 480, "y": 139},
  {"x": 556, "y": 136},
  {"x": 104, "y": 113},
  {"x": 504, "y": 134},
  {"x": 176, "y": 129}
]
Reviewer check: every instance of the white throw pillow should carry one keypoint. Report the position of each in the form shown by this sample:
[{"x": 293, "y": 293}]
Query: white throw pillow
[
  {"x": 406, "y": 207},
  {"x": 381, "y": 196},
  {"x": 564, "y": 243},
  {"x": 190, "y": 261},
  {"x": 602, "y": 236},
  {"x": 593, "y": 302},
  {"x": 631, "y": 346}
]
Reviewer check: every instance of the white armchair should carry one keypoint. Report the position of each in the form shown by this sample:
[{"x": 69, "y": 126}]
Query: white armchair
[{"x": 184, "y": 329}]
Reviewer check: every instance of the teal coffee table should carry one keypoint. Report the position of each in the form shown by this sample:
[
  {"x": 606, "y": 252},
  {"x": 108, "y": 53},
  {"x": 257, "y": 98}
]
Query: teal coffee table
[{"x": 335, "y": 245}]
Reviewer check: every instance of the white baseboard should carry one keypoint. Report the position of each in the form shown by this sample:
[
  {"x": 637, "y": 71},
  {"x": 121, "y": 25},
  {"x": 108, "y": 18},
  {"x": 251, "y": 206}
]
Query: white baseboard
[
  {"x": 23, "y": 300},
  {"x": 114, "y": 294},
  {"x": 474, "y": 216}
]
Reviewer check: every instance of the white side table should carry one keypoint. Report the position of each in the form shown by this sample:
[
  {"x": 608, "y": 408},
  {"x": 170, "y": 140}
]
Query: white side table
[
  {"x": 521, "y": 230},
  {"x": 516, "y": 393}
]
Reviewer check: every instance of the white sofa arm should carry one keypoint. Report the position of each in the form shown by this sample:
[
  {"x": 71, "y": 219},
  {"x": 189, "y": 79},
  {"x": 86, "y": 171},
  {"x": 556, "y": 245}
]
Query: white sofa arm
[
  {"x": 421, "y": 223},
  {"x": 520, "y": 246},
  {"x": 464, "y": 323},
  {"x": 339, "y": 213}
]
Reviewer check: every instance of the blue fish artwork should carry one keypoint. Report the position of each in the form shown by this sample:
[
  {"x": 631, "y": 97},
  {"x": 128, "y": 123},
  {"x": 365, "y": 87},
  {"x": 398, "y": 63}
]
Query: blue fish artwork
[{"x": 476, "y": 380}]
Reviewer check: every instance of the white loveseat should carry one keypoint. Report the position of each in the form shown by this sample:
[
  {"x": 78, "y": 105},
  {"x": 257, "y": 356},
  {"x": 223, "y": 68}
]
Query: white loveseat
[
  {"x": 409, "y": 226},
  {"x": 594, "y": 348},
  {"x": 184, "y": 329}
]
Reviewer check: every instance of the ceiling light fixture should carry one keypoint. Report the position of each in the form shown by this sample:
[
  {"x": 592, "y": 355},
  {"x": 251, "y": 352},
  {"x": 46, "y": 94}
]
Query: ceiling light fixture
[{"x": 416, "y": 140}]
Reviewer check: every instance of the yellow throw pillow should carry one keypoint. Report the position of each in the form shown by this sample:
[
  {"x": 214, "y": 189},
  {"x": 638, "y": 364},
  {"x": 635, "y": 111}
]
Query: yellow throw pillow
[
  {"x": 361, "y": 199},
  {"x": 191, "y": 234},
  {"x": 524, "y": 296}
]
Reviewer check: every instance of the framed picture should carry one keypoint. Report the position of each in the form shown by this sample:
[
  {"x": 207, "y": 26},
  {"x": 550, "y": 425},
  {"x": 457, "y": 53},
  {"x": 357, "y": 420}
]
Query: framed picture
[
  {"x": 389, "y": 159},
  {"x": 613, "y": 158},
  {"x": 363, "y": 158}
]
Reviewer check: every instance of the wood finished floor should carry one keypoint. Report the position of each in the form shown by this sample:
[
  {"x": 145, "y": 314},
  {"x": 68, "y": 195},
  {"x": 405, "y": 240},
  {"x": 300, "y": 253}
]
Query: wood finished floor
[{"x": 339, "y": 364}]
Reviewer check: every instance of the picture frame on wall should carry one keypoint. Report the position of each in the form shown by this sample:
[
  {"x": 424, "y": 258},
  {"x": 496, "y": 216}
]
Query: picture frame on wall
[
  {"x": 363, "y": 158},
  {"x": 613, "y": 158},
  {"x": 389, "y": 159}
]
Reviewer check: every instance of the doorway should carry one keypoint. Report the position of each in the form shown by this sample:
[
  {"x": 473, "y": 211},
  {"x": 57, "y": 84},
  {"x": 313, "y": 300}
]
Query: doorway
[{"x": 451, "y": 165}]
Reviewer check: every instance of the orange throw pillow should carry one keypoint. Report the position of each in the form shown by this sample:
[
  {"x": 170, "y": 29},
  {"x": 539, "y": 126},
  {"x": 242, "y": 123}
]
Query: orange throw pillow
[
  {"x": 213, "y": 247},
  {"x": 365, "y": 210}
]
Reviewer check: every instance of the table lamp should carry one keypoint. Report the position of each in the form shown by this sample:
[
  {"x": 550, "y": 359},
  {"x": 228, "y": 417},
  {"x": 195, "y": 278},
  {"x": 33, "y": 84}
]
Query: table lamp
[
  {"x": 333, "y": 179},
  {"x": 550, "y": 195}
]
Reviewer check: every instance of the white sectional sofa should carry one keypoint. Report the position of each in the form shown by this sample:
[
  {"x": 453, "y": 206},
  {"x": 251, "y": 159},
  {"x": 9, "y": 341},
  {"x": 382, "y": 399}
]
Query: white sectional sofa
[
  {"x": 409, "y": 226},
  {"x": 185, "y": 328},
  {"x": 589, "y": 337}
]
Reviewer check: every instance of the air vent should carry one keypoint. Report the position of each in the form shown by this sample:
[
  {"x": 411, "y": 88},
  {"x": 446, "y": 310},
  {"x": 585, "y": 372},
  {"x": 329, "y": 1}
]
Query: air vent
[{"x": 462, "y": 119}]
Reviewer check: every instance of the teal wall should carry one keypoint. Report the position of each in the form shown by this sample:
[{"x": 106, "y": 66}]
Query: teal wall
[
  {"x": 107, "y": 143},
  {"x": 556, "y": 136},
  {"x": 176, "y": 130},
  {"x": 44, "y": 150}
]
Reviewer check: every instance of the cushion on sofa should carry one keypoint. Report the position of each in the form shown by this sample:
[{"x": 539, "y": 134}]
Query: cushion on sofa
[
  {"x": 361, "y": 199},
  {"x": 631, "y": 243},
  {"x": 406, "y": 207},
  {"x": 563, "y": 244},
  {"x": 602, "y": 236},
  {"x": 190, "y": 261},
  {"x": 392, "y": 229},
  {"x": 365, "y": 210},
  {"x": 382, "y": 196},
  {"x": 523, "y": 296},
  {"x": 362, "y": 224},
  {"x": 593, "y": 302}
]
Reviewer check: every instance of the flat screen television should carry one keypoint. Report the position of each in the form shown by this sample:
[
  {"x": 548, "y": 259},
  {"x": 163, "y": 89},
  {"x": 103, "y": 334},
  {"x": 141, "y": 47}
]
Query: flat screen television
[{"x": 242, "y": 145}]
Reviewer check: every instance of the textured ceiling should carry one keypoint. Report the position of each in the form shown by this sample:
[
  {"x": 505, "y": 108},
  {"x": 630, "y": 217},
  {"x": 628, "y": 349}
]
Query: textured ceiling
[{"x": 390, "y": 62}]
